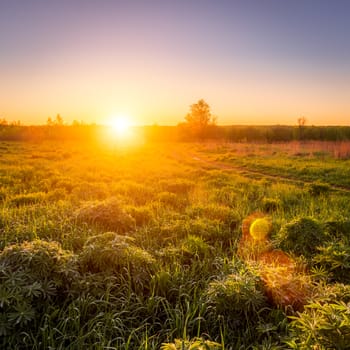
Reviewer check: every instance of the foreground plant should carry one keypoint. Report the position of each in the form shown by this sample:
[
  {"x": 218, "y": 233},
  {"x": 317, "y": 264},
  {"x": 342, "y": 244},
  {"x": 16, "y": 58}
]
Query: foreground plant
[
  {"x": 33, "y": 276},
  {"x": 302, "y": 236},
  {"x": 113, "y": 254},
  {"x": 321, "y": 326},
  {"x": 193, "y": 344}
]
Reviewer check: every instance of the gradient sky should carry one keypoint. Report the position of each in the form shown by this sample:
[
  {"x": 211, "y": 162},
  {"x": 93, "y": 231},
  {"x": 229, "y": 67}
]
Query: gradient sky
[{"x": 254, "y": 62}]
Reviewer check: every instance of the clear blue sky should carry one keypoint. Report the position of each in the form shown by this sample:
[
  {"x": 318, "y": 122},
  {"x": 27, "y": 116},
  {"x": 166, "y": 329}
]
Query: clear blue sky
[{"x": 254, "y": 62}]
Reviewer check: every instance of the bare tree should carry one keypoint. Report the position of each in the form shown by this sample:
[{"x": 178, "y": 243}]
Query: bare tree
[{"x": 301, "y": 124}]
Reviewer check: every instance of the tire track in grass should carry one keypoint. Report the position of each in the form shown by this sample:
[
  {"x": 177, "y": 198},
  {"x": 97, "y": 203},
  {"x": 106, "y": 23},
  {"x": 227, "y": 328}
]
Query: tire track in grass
[
  {"x": 244, "y": 170},
  {"x": 185, "y": 157}
]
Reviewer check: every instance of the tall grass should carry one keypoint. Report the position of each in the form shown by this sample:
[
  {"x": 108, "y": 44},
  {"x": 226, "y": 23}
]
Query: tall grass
[{"x": 138, "y": 248}]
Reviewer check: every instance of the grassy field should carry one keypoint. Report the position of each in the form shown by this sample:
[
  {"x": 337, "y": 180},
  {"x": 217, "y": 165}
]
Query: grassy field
[{"x": 174, "y": 246}]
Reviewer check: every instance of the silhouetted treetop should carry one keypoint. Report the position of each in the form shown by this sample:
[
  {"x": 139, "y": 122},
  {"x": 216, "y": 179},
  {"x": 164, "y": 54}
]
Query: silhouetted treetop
[{"x": 200, "y": 115}]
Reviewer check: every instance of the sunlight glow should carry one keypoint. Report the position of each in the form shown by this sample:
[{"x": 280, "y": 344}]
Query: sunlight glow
[
  {"x": 121, "y": 132},
  {"x": 120, "y": 126}
]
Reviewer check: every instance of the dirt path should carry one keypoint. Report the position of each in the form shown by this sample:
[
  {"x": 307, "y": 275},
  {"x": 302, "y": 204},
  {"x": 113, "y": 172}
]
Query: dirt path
[{"x": 191, "y": 158}]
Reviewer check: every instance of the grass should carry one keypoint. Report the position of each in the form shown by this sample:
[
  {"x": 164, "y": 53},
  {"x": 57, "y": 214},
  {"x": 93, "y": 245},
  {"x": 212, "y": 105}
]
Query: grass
[{"x": 148, "y": 247}]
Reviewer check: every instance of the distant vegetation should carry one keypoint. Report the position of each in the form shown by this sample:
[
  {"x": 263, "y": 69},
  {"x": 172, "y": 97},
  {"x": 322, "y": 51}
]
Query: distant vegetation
[
  {"x": 181, "y": 132},
  {"x": 199, "y": 125}
]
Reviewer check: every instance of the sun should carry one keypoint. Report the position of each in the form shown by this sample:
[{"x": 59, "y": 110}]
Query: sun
[{"x": 120, "y": 126}]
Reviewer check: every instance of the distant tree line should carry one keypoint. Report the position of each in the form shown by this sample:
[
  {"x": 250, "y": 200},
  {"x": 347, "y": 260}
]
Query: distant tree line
[
  {"x": 274, "y": 133},
  {"x": 200, "y": 125}
]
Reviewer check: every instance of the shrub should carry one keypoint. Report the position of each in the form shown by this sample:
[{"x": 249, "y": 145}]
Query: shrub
[
  {"x": 338, "y": 228},
  {"x": 142, "y": 215},
  {"x": 110, "y": 253},
  {"x": 196, "y": 247},
  {"x": 318, "y": 188},
  {"x": 107, "y": 214},
  {"x": 40, "y": 259},
  {"x": 193, "y": 248},
  {"x": 302, "y": 236},
  {"x": 335, "y": 257},
  {"x": 321, "y": 326},
  {"x": 239, "y": 293},
  {"x": 221, "y": 213},
  {"x": 330, "y": 293},
  {"x": 193, "y": 344},
  {"x": 32, "y": 276}
]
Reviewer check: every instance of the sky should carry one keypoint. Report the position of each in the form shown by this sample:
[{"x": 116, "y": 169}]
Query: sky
[{"x": 253, "y": 61}]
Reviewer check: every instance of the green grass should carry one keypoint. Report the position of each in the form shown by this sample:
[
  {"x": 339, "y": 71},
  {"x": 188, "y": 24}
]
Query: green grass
[{"x": 103, "y": 247}]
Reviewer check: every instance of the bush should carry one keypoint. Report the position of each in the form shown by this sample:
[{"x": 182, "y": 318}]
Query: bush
[
  {"x": 107, "y": 214},
  {"x": 338, "y": 228},
  {"x": 302, "y": 236},
  {"x": 142, "y": 215},
  {"x": 330, "y": 293},
  {"x": 193, "y": 344},
  {"x": 335, "y": 258},
  {"x": 110, "y": 253},
  {"x": 196, "y": 247},
  {"x": 193, "y": 248},
  {"x": 221, "y": 213},
  {"x": 318, "y": 188},
  {"x": 32, "y": 276},
  {"x": 240, "y": 293},
  {"x": 321, "y": 326}
]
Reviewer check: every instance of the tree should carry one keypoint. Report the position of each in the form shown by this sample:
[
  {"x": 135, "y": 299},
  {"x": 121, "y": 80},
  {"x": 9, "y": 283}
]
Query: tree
[
  {"x": 57, "y": 121},
  {"x": 200, "y": 119},
  {"x": 301, "y": 124}
]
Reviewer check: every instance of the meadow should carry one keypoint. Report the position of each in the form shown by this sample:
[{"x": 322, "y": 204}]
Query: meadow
[{"x": 157, "y": 246}]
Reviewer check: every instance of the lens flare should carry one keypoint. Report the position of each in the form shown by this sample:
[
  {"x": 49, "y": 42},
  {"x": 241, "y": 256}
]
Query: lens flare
[
  {"x": 285, "y": 283},
  {"x": 259, "y": 229}
]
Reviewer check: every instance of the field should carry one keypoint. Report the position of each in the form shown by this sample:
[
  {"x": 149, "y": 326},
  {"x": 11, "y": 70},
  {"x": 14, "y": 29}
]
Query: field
[{"x": 174, "y": 246}]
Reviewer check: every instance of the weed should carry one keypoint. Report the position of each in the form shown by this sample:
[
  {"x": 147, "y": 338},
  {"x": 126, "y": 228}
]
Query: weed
[
  {"x": 302, "y": 236},
  {"x": 335, "y": 258},
  {"x": 193, "y": 344},
  {"x": 322, "y": 326}
]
